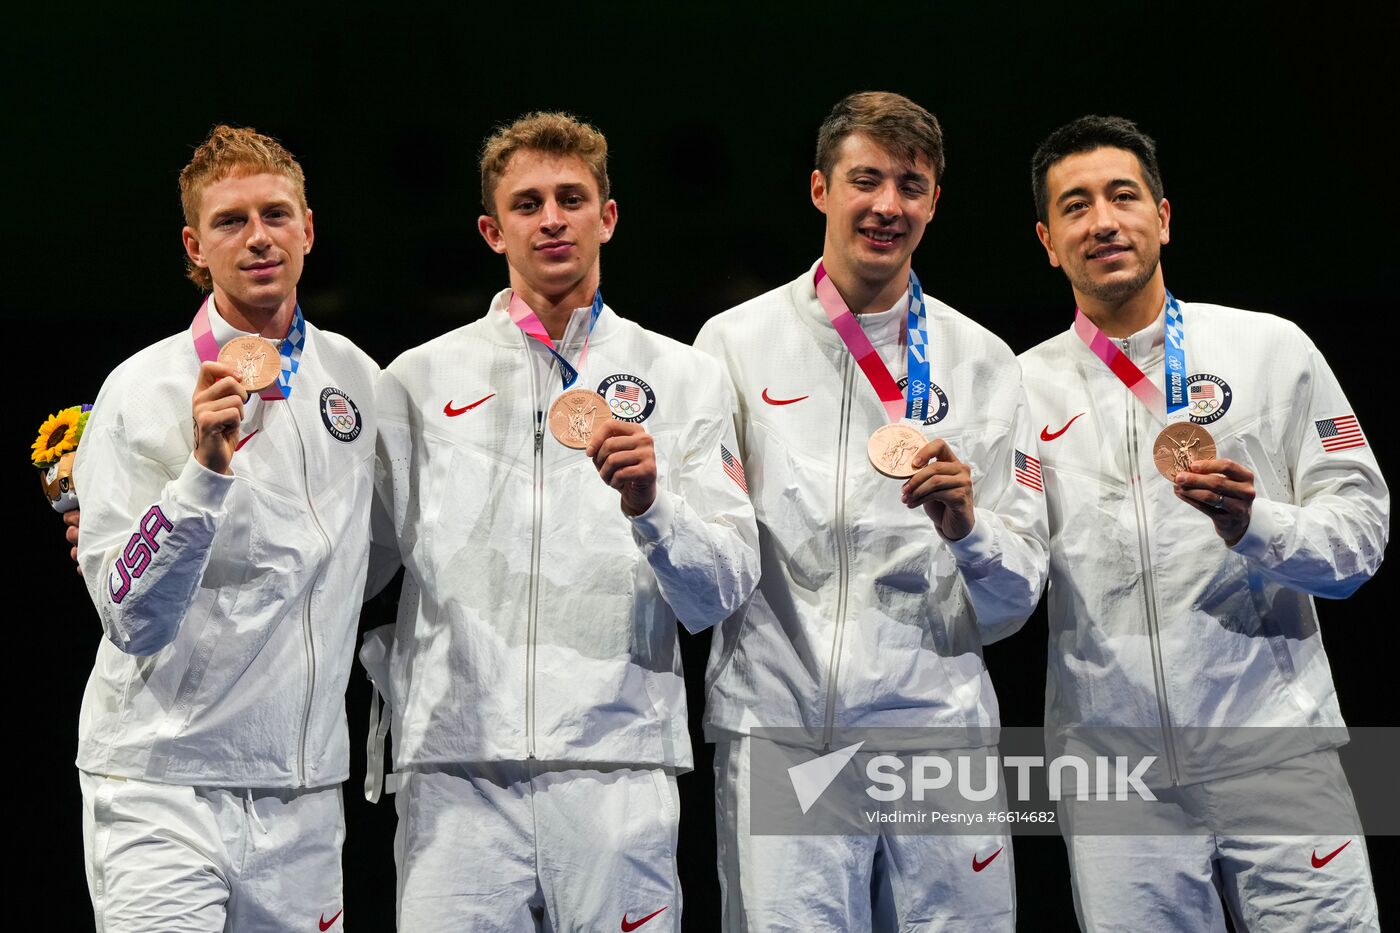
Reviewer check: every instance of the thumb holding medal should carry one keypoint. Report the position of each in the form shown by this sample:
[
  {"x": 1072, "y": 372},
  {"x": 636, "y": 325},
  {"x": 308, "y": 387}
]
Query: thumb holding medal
[{"x": 217, "y": 407}]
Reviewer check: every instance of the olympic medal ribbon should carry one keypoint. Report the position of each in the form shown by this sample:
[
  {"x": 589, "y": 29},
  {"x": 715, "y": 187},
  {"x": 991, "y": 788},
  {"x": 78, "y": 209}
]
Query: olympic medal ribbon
[
  {"x": 529, "y": 322},
  {"x": 290, "y": 347},
  {"x": 1162, "y": 404},
  {"x": 915, "y": 407}
]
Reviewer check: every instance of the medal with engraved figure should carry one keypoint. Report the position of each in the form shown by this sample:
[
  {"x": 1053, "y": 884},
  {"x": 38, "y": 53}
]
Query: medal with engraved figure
[
  {"x": 575, "y": 415},
  {"x": 892, "y": 448},
  {"x": 1179, "y": 445},
  {"x": 255, "y": 361}
]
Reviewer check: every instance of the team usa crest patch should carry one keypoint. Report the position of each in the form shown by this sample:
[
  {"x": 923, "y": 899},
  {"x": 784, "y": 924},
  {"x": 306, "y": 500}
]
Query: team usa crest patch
[
  {"x": 340, "y": 415},
  {"x": 628, "y": 397},
  {"x": 1207, "y": 398},
  {"x": 938, "y": 400}
]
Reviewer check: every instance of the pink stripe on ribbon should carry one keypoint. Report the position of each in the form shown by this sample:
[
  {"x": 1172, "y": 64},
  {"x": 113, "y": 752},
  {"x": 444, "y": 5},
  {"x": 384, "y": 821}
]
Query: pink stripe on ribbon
[
  {"x": 208, "y": 349},
  {"x": 853, "y": 335},
  {"x": 1102, "y": 346}
]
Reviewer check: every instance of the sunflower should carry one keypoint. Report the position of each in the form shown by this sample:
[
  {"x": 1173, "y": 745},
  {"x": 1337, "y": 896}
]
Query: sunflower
[{"x": 58, "y": 435}]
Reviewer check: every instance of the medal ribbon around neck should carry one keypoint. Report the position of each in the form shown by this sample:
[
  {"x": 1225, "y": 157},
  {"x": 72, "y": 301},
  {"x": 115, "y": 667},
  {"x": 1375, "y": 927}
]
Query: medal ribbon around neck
[
  {"x": 290, "y": 349},
  {"x": 915, "y": 408},
  {"x": 529, "y": 322},
  {"x": 1163, "y": 405}
]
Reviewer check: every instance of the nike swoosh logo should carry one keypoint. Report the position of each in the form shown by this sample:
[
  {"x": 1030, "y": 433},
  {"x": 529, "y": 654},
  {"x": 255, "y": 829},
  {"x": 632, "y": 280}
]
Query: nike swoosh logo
[
  {"x": 239, "y": 446},
  {"x": 451, "y": 412},
  {"x": 326, "y": 924},
  {"x": 1046, "y": 435},
  {"x": 780, "y": 401},
  {"x": 1319, "y": 862},
  {"x": 978, "y": 866},
  {"x": 629, "y": 925}
]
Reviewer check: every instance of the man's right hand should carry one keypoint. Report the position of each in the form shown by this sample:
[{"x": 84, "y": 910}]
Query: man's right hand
[{"x": 217, "y": 407}]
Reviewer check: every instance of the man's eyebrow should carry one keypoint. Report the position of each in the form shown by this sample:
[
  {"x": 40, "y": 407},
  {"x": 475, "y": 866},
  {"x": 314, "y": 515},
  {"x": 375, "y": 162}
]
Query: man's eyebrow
[
  {"x": 910, "y": 175},
  {"x": 1083, "y": 192}
]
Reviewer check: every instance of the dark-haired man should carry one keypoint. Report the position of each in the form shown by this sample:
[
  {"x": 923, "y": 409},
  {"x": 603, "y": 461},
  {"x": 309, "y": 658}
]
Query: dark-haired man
[
  {"x": 1207, "y": 478},
  {"x": 877, "y": 593},
  {"x": 227, "y": 473},
  {"x": 562, "y": 488}
]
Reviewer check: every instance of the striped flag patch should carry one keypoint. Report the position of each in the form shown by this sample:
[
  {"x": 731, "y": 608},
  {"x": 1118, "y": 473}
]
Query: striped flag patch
[
  {"x": 1340, "y": 433},
  {"x": 1028, "y": 471},
  {"x": 733, "y": 468}
]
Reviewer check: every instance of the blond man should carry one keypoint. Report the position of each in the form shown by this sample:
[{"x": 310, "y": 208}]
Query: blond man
[
  {"x": 563, "y": 488},
  {"x": 226, "y": 498}
]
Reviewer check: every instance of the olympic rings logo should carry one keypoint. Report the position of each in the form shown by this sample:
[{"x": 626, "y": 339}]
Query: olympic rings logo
[
  {"x": 1203, "y": 406},
  {"x": 624, "y": 407},
  {"x": 345, "y": 422}
]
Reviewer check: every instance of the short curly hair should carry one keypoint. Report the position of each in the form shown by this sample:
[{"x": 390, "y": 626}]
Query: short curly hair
[
  {"x": 554, "y": 133},
  {"x": 232, "y": 150}
]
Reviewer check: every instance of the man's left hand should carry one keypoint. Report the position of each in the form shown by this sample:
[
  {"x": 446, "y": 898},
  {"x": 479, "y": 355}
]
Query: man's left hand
[
  {"x": 626, "y": 460},
  {"x": 1223, "y": 490},
  {"x": 943, "y": 486}
]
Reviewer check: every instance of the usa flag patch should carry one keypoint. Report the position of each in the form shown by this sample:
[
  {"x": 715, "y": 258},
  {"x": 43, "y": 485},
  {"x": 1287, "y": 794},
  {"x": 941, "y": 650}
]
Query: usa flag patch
[
  {"x": 1341, "y": 433},
  {"x": 733, "y": 468},
  {"x": 1028, "y": 471}
]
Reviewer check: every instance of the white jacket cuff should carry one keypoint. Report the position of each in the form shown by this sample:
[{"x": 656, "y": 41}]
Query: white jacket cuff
[
  {"x": 1259, "y": 536},
  {"x": 976, "y": 546},
  {"x": 201, "y": 488},
  {"x": 656, "y": 522}
]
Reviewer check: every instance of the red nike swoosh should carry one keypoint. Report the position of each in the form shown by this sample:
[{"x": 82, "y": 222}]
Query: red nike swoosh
[
  {"x": 326, "y": 924},
  {"x": 239, "y": 446},
  {"x": 780, "y": 401},
  {"x": 1319, "y": 862},
  {"x": 978, "y": 866},
  {"x": 1045, "y": 434},
  {"x": 451, "y": 412},
  {"x": 629, "y": 925}
]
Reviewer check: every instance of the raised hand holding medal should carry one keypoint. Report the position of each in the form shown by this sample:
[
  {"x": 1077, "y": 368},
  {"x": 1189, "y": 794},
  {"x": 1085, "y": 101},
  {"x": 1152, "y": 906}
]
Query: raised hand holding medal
[
  {"x": 1184, "y": 452},
  {"x": 935, "y": 478},
  {"x": 580, "y": 419}
]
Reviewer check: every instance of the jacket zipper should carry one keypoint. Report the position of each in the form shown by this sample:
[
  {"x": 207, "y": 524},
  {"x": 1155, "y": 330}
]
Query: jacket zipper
[
  {"x": 537, "y": 522},
  {"x": 1159, "y": 674},
  {"x": 306, "y": 615},
  {"x": 843, "y": 558}
]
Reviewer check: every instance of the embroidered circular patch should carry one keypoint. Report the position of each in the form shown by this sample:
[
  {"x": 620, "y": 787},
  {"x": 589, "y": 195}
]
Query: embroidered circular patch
[
  {"x": 340, "y": 415},
  {"x": 628, "y": 397},
  {"x": 1207, "y": 397}
]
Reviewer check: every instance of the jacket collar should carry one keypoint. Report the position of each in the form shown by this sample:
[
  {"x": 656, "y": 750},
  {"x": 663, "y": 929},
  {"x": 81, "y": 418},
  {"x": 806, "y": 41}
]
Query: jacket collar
[
  {"x": 500, "y": 329},
  {"x": 882, "y": 327},
  {"x": 1139, "y": 346}
]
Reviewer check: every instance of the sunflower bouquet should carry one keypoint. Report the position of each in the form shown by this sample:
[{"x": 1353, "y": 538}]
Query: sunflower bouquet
[{"x": 53, "y": 453}]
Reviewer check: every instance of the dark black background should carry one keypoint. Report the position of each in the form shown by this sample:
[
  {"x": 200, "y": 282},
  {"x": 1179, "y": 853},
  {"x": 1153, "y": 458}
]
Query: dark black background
[{"x": 1275, "y": 145}]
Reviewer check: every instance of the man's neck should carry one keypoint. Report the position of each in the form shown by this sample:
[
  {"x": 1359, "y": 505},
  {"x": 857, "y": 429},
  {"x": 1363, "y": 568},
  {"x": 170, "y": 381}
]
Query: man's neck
[
  {"x": 864, "y": 296},
  {"x": 272, "y": 323},
  {"x": 1127, "y": 317},
  {"x": 555, "y": 309}
]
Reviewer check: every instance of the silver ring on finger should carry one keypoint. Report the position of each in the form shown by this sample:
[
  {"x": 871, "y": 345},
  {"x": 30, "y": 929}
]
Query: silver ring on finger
[{"x": 1219, "y": 503}]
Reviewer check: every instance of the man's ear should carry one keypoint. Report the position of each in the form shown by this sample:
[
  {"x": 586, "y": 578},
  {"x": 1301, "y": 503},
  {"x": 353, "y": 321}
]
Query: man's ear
[{"x": 491, "y": 233}]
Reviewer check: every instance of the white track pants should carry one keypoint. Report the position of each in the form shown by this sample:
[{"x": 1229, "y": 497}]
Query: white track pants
[
  {"x": 519, "y": 846},
  {"x": 1175, "y": 881},
  {"x": 168, "y": 858},
  {"x": 853, "y": 883}
]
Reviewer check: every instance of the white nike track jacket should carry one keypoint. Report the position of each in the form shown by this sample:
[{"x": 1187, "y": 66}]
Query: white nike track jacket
[
  {"x": 865, "y": 615},
  {"x": 230, "y": 603},
  {"x": 1154, "y": 621},
  {"x": 537, "y": 620}
]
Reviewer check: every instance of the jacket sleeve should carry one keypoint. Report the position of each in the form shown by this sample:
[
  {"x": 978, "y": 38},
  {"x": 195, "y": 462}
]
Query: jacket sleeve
[
  {"x": 1003, "y": 560},
  {"x": 147, "y": 531},
  {"x": 1331, "y": 537},
  {"x": 700, "y": 536},
  {"x": 393, "y": 451}
]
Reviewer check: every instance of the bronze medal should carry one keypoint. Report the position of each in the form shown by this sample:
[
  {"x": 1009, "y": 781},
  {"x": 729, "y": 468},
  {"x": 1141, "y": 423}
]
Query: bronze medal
[
  {"x": 1179, "y": 445},
  {"x": 575, "y": 415},
  {"x": 892, "y": 449},
  {"x": 256, "y": 361}
]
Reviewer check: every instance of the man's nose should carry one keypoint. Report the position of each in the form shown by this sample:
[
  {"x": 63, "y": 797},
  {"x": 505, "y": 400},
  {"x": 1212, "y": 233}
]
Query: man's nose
[
  {"x": 886, "y": 202},
  {"x": 1103, "y": 222},
  {"x": 551, "y": 215},
  {"x": 258, "y": 236}
]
